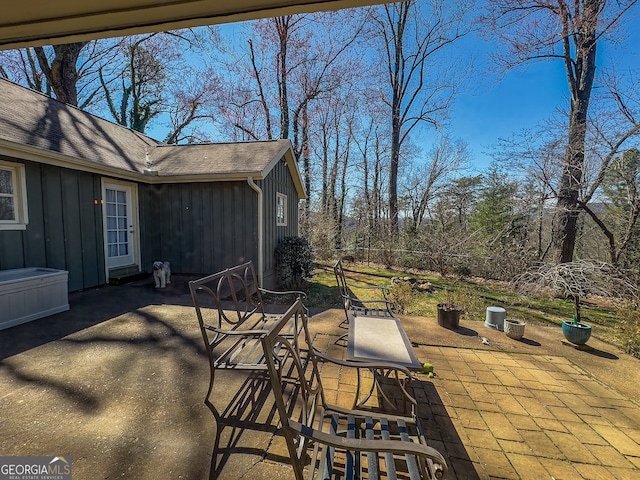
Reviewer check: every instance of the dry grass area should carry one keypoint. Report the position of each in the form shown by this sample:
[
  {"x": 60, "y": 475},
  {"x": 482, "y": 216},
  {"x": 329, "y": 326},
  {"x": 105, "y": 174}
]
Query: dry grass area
[{"x": 474, "y": 295}]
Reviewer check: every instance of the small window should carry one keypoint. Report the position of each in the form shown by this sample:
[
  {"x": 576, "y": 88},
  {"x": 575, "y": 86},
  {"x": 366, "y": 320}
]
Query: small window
[
  {"x": 281, "y": 210},
  {"x": 13, "y": 197}
]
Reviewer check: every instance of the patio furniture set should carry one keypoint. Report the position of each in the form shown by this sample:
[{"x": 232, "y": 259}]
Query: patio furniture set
[{"x": 365, "y": 441}]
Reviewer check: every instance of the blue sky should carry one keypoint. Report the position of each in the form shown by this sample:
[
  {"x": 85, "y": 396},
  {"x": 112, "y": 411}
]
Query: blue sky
[
  {"x": 493, "y": 108},
  {"x": 521, "y": 100}
]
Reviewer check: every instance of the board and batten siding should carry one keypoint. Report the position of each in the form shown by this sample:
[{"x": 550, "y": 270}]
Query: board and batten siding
[
  {"x": 279, "y": 180},
  {"x": 65, "y": 225},
  {"x": 200, "y": 228}
]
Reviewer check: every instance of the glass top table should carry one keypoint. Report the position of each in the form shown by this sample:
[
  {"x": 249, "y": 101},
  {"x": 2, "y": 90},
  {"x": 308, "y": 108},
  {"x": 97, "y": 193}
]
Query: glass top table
[{"x": 384, "y": 340}]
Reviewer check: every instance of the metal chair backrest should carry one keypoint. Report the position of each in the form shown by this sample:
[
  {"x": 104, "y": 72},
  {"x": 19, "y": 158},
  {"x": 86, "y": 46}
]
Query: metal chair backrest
[
  {"x": 228, "y": 299},
  {"x": 343, "y": 287},
  {"x": 346, "y": 442},
  {"x": 380, "y": 306},
  {"x": 298, "y": 391}
]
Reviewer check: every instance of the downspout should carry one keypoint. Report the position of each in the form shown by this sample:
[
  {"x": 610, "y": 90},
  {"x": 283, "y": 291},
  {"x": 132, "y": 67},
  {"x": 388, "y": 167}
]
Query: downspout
[{"x": 260, "y": 230}]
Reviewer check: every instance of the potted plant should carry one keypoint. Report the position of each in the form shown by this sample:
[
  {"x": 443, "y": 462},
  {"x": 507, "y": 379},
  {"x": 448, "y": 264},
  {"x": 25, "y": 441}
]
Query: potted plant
[
  {"x": 576, "y": 332},
  {"x": 449, "y": 313},
  {"x": 575, "y": 281}
]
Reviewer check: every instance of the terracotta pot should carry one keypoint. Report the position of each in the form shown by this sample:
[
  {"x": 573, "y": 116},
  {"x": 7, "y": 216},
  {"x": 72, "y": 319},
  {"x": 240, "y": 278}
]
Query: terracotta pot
[{"x": 449, "y": 317}]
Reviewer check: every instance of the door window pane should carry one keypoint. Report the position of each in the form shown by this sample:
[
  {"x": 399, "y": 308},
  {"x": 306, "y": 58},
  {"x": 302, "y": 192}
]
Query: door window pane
[{"x": 117, "y": 223}]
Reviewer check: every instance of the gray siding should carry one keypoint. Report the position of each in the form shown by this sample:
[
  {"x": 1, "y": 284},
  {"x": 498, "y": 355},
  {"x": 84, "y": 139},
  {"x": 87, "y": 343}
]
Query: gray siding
[
  {"x": 200, "y": 228},
  {"x": 278, "y": 181},
  {"x": 65, "y": 226}
]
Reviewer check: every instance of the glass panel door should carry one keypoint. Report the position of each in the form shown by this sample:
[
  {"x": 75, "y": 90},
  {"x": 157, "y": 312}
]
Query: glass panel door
[{"x": 118, "y": 225}]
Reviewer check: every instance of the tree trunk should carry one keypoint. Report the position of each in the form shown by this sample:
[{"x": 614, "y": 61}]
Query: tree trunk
[
  {"x": 397, "y": 85},
  {"x": 581, "y": 33},
  {"x": 62, "y": 73},
  {"x": 282, "y": 26},
  {"x": 393, "y": 170},
  {"x": 306, "y": 172},
  {"x": 567, "y": 209}
]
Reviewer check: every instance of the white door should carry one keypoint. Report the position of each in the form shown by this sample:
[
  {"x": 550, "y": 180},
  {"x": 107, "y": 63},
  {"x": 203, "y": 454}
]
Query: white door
[{"x": 119, "y": 222}]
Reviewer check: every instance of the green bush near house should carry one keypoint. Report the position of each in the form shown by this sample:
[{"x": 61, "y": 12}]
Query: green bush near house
[{"x": 294, "y": 262}]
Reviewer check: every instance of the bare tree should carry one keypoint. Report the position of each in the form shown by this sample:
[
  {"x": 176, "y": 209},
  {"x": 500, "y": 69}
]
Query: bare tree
[
  {"x": 569, "y": 31},
  {"x": 333, "y": 145},
  {"x": 372, "y": 146},
  {"x": 155, "y": 78},
  {"x": 612, "y": 127},
  {"x": 68, "y": 72},
  {"x": 290, "y": 62},
  {"x": 192, "y": 99},
  {"x": 142, "y": 83},
  {"x": 21, "y": 66},
  {"x": 535, "y": 157},
  {"x": 420, "y": 76},
  {"x": 612, "y": 130},
  {"x": 430, "y": 177},
  {"x": 62, "y": 72},
  {"x": 576, "y": 281},
  {"x": 275, "y": 89}
]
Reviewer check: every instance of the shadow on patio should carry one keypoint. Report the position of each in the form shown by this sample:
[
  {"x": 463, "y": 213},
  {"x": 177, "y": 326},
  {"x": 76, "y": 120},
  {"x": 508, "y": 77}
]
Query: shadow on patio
[{"x": 118, "y": 383}]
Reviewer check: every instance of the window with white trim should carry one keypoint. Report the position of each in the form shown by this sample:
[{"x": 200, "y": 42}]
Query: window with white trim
[
  {"x": 281, "y": 210},
  {"x": 13, "y": 197}
]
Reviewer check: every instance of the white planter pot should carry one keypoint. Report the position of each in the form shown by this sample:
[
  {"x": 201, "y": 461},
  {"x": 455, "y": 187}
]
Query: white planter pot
[{"x": 514, "y": 328}]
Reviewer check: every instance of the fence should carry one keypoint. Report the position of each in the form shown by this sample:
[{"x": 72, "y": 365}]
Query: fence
[{"x": 495, "y": 268}]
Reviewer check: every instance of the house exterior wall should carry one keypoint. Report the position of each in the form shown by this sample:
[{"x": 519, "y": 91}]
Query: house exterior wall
[
  {"x": 277, "y": 181},
  {"x": 65, "y": 225},
  {"x": 201, "y": 228}
]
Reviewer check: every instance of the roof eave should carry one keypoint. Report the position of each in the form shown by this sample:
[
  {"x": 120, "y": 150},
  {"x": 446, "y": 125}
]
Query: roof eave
[
  {"x": 287, "y": 152},
  {"x": 35, "y": 154}
]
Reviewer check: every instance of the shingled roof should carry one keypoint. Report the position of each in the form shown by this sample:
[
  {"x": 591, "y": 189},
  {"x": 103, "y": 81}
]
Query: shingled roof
[{"x": 36, "y": 127}]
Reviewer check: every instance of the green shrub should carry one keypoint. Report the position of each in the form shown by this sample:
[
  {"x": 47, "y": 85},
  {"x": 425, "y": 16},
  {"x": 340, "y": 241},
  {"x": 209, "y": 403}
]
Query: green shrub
[
  {"x": 402, "y": 295},
  {"x": 294, "y": 262},
  {"x": 473, "y": 306}
]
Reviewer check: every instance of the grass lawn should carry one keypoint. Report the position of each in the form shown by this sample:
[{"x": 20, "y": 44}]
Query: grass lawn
[{"x": 474, "y": 295}]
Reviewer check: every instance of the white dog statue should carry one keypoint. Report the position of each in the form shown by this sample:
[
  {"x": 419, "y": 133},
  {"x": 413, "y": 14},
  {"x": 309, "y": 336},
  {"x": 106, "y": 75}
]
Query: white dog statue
[{"x": 161, "y": 274}]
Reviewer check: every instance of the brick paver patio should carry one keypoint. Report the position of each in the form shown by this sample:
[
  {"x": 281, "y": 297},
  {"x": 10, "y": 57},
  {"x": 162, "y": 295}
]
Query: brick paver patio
[
  {"x": 515, "y": 416},
  {"x": 117, "y": 383}
]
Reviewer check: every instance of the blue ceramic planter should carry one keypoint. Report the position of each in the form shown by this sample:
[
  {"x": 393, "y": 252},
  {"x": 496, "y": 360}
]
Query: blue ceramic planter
[{"x": 576, "y": 333}]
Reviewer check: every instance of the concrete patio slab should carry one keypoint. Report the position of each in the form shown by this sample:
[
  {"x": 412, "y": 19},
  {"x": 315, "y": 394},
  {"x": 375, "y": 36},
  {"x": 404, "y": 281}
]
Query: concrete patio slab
[{"x": 117, "y": 383}]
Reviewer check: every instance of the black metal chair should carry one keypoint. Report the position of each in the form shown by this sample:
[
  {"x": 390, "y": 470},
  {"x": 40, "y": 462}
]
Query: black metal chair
[
  {"x": 232, "y": 318},
  {"x": 379, "y": 306},
  {"x": 341, "y": 443}
]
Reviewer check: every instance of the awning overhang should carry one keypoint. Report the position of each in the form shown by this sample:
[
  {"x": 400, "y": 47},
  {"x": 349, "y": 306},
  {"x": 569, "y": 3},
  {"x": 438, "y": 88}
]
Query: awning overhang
[{"x": 45, "y": 22}]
